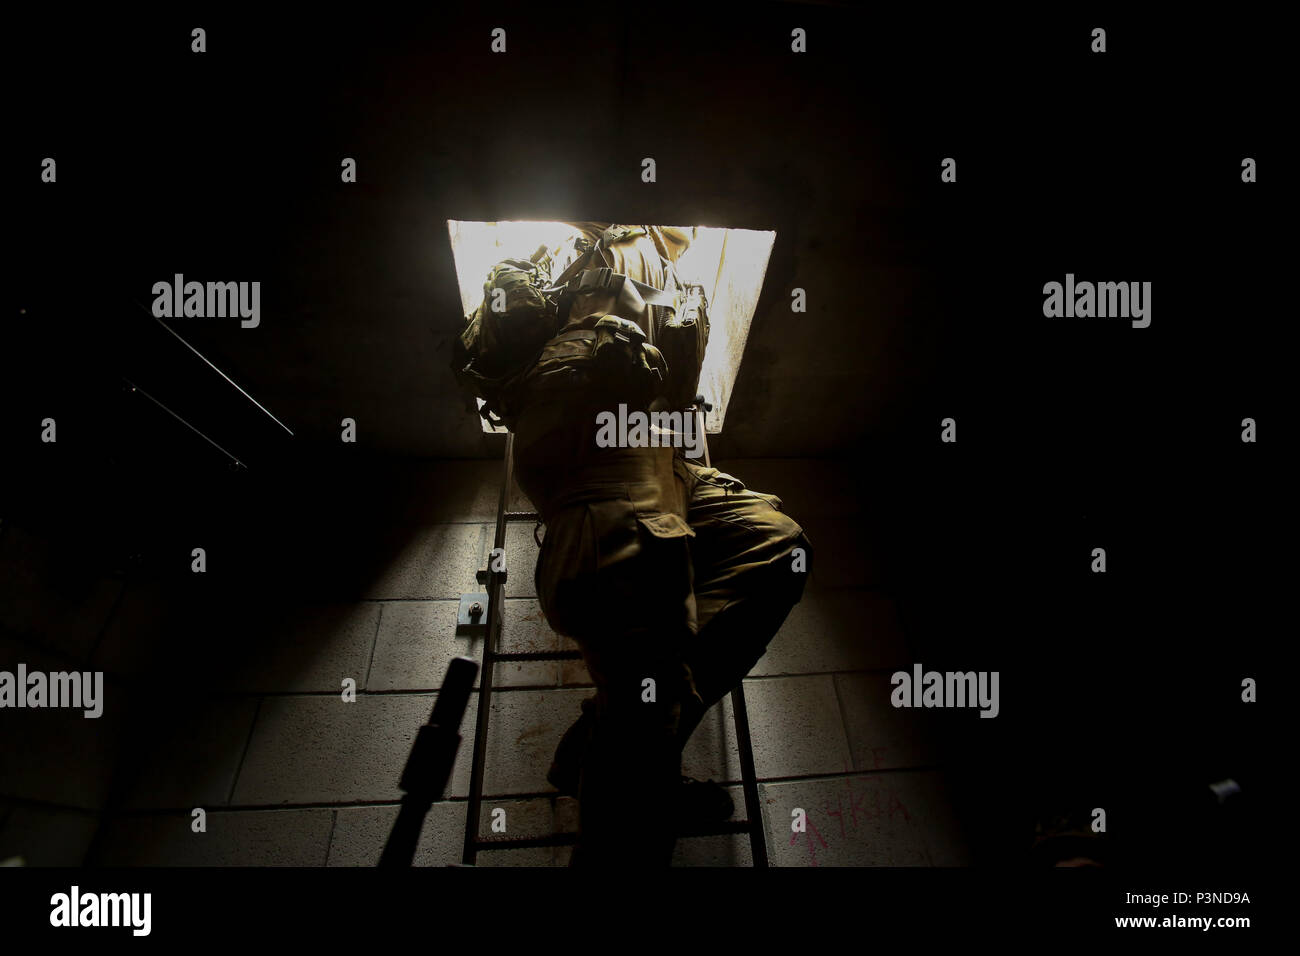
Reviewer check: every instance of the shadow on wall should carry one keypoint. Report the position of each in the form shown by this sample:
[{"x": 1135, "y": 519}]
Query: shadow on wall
[{"x": 223, "y": 688}]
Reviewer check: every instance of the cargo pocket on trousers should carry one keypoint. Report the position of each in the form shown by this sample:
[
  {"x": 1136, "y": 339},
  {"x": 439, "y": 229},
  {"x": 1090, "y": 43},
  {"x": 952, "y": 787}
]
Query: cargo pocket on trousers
[
  {"x": 641, "y": 565},
  {"x": 666, "y": 539},
  {"x": 772, "y": 500},
  {"x": 666, "y": 526},
  {"x": 615, "y": 537},
  {"x": 733, "y": 485}
]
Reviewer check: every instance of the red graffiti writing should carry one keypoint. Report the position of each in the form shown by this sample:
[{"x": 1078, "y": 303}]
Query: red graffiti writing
[{"x": 862, "y": 799}]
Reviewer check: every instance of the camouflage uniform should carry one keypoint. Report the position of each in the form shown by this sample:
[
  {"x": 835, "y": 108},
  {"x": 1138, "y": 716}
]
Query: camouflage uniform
[{"x": 657, "y": 566}]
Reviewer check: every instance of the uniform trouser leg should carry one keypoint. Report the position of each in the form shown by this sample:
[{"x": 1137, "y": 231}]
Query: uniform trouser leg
[
  {"x": 750, "y": 564},
  {"x": 615, "y": 574},
  {"x": 630, "y": 771}
]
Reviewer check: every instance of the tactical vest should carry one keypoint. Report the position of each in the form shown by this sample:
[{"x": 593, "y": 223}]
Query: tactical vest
[{"x": 591, "y": 330}]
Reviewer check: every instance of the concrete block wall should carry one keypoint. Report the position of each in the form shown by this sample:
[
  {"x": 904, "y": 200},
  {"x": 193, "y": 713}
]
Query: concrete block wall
[{"x": 252, "y": 726}]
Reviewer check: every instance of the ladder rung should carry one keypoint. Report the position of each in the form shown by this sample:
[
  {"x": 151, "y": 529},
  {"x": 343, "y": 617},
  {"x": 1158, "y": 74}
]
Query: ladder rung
[
  {"x": 523, "y": 843},
  {"x": 538, "y": 656},
  {"x": 568, "y": 839}
]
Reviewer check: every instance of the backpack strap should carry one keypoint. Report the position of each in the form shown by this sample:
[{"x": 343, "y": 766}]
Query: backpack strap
[
  {"x": 611, "y": 235},
  {"x": 595, "y": 280},
  {"x": 579, "y": 279}
]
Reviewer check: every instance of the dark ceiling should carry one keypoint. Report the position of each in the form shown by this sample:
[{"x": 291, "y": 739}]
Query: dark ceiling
[{"x": 923, "y": 297}]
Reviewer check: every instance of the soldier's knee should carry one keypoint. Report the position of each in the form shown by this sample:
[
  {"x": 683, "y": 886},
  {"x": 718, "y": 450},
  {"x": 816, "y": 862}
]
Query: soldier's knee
[
  {"x": 804, "y": 546},
  {"x": 798, "y": 563}
]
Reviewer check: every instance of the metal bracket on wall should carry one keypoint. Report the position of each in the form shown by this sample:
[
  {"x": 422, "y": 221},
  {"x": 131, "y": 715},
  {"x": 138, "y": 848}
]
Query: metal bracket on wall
[{"x": 471, "y": 616}]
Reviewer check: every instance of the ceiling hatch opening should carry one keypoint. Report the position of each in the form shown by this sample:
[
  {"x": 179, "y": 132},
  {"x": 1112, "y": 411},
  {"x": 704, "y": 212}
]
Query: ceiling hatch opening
[{"x": 728, "y": 263}]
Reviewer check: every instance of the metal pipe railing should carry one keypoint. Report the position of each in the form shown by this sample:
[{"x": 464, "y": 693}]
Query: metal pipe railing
[{"x": 495, "y": 588}]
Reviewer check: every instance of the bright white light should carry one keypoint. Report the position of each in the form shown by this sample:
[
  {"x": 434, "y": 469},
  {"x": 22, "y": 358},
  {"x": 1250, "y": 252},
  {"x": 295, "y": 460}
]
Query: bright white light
[{"x": 728, "y": 263}]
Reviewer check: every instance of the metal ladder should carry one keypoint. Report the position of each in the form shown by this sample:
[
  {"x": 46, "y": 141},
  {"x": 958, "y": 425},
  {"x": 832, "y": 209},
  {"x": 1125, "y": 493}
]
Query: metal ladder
[{"x": 494, "y": 581}]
